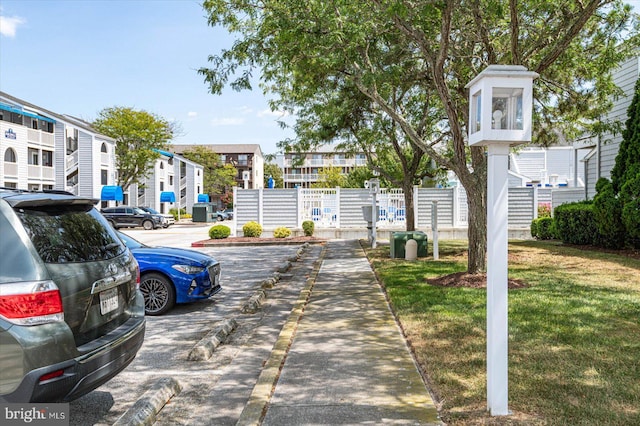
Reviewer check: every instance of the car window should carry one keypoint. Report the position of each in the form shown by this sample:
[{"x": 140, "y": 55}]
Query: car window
[
  {"x": 130, "y": 242},
  {"x": 16, "y": 262},
  {"x": 152, "y": 211},
  {"x": 119, "y": 210},
  {"x": 138, "y": 211},
  {"x": 72, "y": 234}
]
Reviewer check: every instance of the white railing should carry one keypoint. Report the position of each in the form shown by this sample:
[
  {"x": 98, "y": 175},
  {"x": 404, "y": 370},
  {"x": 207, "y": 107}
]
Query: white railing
[
  {"x": 11, "y": 169},
  {"x": 72, "y": 160},
  {"x": 320, "y": 206}
]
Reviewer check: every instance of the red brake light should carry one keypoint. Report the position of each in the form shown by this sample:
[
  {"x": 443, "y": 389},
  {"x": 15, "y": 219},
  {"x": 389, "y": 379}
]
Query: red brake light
[
  {"x": 51, "y": 375},
  {"x": 31, "y": 303}
]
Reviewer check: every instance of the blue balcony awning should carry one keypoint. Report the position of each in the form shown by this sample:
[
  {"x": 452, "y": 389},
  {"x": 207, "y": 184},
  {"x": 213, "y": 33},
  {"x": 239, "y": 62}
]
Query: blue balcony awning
[
  {"x": 111, "y": 193},
  {"x": 203, "y": 198},
  {"x": 167, "y": 197}
]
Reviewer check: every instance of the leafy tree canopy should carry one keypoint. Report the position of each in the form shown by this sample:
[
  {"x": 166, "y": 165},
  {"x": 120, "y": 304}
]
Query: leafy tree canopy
[
  {"x": 218, "y": 178},
  {"x": 413, "y": 59},
  {"x": 272, "y": 169},
  {"x": 330, "y": 177},
  {"x": 138, "y": 135}
]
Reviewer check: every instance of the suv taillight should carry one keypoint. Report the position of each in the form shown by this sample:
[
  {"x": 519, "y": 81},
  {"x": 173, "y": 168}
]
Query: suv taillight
[{"x": 31, "y": 303}]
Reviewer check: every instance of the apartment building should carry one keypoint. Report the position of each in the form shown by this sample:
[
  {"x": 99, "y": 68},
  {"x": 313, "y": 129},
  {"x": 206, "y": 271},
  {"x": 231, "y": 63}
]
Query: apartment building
[
  {"x": 46, "y": 150},
  {"x": 246, "y": 158},
  {"x": 43, "y": 150},
  {"x": 175, "y": 182},
  {"x": 303, "y": 169}
]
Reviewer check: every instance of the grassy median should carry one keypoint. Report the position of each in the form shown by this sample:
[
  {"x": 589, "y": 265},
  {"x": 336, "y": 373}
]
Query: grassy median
[{"x": 574, "y": 333}]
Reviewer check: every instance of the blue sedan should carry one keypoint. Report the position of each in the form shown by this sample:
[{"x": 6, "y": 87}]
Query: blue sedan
[{"x": 171, "y": 275}]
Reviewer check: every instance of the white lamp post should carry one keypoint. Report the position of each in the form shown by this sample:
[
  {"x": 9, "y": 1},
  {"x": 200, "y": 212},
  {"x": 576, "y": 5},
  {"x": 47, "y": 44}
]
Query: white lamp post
[{"x": 500, "y": 109}]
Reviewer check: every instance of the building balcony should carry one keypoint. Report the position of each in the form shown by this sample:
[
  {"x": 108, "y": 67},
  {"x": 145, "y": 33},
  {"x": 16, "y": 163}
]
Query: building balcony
[
  {"x": 11, "y": 169},
  {"x": 39, "y": 137}
]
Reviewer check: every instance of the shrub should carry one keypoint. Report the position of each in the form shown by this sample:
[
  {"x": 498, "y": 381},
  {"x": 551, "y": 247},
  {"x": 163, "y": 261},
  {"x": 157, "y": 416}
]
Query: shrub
[
  {"x": 252, "y": 229},
  {"x": 546, "y": 229},
  {"x": 183, "y": 213},
  {"x": 218, "y": 232},
  {"x": 308, "y": 227},
  {"x": 575, "y": 223},
  {"x": 534, "y": 228},
  {"x": 607, "y": 211},
  {"x": 281, "y": 232}
]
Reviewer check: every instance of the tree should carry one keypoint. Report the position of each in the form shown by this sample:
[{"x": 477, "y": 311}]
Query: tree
[
  {"x": 330, "y": 177},
  {"x": 272, "y": 169},
  {"x": 625, "y": 175},
  {"x": 217, "y": 178},
  {"x": 139, "y": 135},
  {"x": 430, "y": 50}
]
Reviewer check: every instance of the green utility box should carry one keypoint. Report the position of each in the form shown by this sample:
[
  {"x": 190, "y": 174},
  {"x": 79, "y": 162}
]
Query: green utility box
[
  {"x": 399, "y": 240},
  {"x": 203, "y": 212}
]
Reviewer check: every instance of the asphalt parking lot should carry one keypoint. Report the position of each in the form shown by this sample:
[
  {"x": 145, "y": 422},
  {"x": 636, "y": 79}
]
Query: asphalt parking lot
[{"x": 170, "y": 338}]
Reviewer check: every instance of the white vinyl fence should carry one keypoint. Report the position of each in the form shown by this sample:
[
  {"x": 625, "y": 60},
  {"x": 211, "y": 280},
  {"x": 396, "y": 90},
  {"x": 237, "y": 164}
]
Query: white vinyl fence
[{"x": 341, "y": 208}]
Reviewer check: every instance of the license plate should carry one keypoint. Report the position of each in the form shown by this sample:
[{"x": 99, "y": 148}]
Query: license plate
[{"x": 108, "y": 300}]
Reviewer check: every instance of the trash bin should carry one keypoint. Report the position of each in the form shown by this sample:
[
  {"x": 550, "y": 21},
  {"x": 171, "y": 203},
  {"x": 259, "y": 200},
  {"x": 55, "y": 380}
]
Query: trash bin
[
  {"x": 399, "y": 240},
  {"x": 203, "y": 212}
]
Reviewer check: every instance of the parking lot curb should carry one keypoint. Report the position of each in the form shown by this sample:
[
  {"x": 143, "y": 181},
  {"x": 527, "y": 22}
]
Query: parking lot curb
[
  {"x": 144, "y": 411},
  {"x": 255, "y": 409},
  {"x": 205, "y": 347}
]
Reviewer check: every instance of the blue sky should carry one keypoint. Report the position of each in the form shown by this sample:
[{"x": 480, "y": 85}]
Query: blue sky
[{"x": 79, "y": 56}]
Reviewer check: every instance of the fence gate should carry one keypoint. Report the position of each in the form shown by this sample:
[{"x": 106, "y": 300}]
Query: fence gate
[{"x": 320, "y": 206}]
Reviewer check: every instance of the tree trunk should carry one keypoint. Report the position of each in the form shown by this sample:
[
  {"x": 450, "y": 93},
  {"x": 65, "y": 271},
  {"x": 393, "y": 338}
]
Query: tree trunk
[
  {"x": 477, "y": 225},
  {"x": 408, "y": 205}
]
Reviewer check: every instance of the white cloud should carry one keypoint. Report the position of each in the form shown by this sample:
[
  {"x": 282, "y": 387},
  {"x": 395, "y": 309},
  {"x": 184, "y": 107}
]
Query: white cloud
[
  {"x": 192, "y": 114},
  {"x": 244, "y": 110},
  {"x": 8, "y": 26},
  {"x": 269, "y": 113},
  {"x": 229, "y": 121}
]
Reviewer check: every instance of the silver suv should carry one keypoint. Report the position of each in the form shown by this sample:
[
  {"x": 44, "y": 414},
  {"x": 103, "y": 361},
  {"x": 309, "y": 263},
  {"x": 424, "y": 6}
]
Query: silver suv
[{"x": 71, "y": 313}]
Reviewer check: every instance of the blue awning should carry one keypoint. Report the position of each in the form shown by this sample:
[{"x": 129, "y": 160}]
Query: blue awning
[
  {"x": 203, "y": 198},
  {"x": 111, "y": 193},
  {"x": 9, "y": 108},
  {"x": 165, "y": 153},
  {"x": 167, "y": 197}
]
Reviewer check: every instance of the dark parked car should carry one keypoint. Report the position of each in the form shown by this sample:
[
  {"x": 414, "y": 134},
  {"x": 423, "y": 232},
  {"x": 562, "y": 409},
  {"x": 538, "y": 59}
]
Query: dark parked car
[
  {"x": 130, "y": 217},
  {"x": 71, "y": 314},
  {"x": 172, "y": 275}
]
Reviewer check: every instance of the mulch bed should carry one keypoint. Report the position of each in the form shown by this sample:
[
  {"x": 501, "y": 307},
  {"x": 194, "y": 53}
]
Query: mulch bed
[{"x": 463, "y": 279}]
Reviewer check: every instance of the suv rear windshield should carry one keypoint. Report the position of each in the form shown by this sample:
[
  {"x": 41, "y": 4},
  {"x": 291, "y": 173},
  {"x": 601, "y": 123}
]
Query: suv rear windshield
[{"x": 70, "y": 234}]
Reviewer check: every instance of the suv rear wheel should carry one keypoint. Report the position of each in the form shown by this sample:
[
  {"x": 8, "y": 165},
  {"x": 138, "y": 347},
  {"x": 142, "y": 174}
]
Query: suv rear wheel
[{"x": 147, "y": 224}]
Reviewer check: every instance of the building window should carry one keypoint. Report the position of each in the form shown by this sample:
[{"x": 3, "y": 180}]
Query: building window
[
  {"x": 223, "y": 158},
  {"x": 161, "y": 165},
  {"x": 47, "y": 187},
  {"x": 104, "y": 180},
  {"x": 161, "y": 186},
  {"x": 33, "y": 157},
  {"x": 10, "y": 155},
  {"x": 171, "y": 180},
  {"x": 47, "y": 158},
  {"x": 243, "y": 160},
  {"x": 170, "y": 161},
  {"x": 34, "y": 124},
  {"x": 34, "y": 187},
  {"x": 103, "y": 148},
  {"x": 13, "y": 185}
]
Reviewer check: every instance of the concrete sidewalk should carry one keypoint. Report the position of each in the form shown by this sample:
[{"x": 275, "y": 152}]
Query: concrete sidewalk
[{"x": 345, "y": 359}]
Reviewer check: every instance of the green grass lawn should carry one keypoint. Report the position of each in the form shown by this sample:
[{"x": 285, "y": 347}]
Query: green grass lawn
[{"x": 574, "y": 333}]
